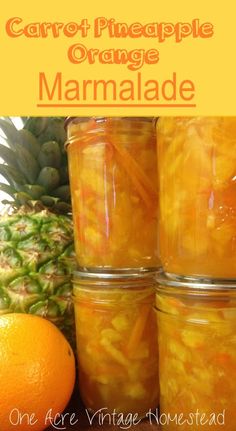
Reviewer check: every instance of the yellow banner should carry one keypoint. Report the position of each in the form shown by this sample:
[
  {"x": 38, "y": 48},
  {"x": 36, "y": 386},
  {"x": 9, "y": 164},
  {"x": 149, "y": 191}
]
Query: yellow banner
[{"x": 125, "y": 58}]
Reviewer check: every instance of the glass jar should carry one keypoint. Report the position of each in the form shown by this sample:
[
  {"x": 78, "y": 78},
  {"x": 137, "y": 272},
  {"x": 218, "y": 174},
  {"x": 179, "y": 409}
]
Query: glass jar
[
  {"x": 197, "y": 180},
  {"x": 113, "y": 179},
  {"x": 197, "y": 355},
  {"x": 117, "y": 342}
]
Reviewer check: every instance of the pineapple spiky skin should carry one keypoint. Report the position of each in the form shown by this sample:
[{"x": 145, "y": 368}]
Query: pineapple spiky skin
[
  {"x": 36, "y": 243},
  {"x": 36, "y": 263}
]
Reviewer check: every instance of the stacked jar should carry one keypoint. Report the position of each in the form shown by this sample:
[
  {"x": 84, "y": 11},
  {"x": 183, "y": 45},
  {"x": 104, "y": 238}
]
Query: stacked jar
[
  {"x": 113, "y": 178},
  {"x": 196, "y": 294}
]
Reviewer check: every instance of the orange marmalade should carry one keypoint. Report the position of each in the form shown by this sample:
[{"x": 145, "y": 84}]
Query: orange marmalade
[
  {"x": 197, "y": 180},
  {"x": 113, "y": 178},
  {"x": 117, "y": 343},
  {"x": 197, "y": 355}
]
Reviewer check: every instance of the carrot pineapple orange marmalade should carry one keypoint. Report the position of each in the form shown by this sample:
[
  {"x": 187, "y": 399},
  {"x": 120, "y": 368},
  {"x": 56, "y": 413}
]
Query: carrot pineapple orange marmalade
[
  {"x": 197, "y": 164},
  {"x": 117, "y": 339},
  {"x": 112, "y": 165},
  {"x": 197, "y": 355}
]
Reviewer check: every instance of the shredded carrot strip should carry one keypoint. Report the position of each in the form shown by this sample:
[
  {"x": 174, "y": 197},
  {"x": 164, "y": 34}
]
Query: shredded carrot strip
[
  {"x": 137, "y": 333},
  {"x": 140, "y": 180}
]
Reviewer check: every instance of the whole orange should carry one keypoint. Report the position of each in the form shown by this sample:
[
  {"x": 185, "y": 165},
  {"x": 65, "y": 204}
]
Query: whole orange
[{"x": 37, "y": 372}]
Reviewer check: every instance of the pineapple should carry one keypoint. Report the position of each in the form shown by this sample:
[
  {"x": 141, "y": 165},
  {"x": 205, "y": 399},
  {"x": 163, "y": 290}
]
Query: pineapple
[{"x": 36, "y": 233}]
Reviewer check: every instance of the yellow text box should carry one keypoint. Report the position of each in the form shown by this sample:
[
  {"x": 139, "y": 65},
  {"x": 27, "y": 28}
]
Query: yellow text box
[{"x": 97, "y": 58}]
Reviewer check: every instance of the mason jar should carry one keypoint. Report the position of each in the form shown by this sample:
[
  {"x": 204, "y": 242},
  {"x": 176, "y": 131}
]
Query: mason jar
[
  {"x": 197, "y": 180},
  {"x": 113, "y": 179},
  {"x": 117, "y": 342},
  {"x": 197, "y": 354}
]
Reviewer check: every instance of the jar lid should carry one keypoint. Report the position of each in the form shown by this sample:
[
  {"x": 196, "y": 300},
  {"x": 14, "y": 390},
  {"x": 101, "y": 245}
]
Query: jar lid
[
  {"x": 196, "y": 286},
  {"x": 144, "y": 273},
  {"x": 98, "y": 119},
  {"x": 80, "y": 120}
]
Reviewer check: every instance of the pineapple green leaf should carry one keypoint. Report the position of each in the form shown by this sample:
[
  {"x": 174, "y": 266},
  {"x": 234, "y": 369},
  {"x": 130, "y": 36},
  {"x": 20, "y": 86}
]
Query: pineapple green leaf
[
  {"x": 62, "y": 208},
  {"x": 35, "y": 162},
  {"x": 27, "y": 163},
  {"x": 34, "y": 190},
  {"x": 7, "y": 189},
  {"x": 8, "y": 203},
  {"x": 8, "y": 156},
  {"x": 62, "y": 192},
  {"x": 22, "y": 198},
  {"x": 50, "y": 155},
  {"x": 14, "y": 177},
  {"x": 49, "y": 178},
  {"x": 64, "y": 175},
  {"x": 48, "y": 201},
  {"x": 29, "y": 141},
  {"x": 9, "y": 130},
  {"x": 36, "y": 125},
  {"x": 54, "y": 131},
  {"x": 47, "y": 128}
]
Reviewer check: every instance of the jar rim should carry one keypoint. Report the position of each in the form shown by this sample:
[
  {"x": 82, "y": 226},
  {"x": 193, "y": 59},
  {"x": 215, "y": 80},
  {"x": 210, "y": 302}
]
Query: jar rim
[
  {"x": 118, "y": 275},
  {"x": 68, "y": 120},
  {"x": 193, "y": 285},
  {"x": 110, "y": 280}
]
